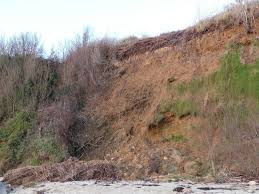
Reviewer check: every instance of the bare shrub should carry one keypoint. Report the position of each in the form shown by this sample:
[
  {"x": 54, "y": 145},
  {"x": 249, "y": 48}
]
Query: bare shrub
[
  {"x": 129, "y": 41},
  {"x": 25, "y": 77},
  {"x": 242, "y": 12},
  {"x": 88, "y": 63},
  {"x": 25, "y": 44},
  {"x": 56, "y": 120},
  {"x": 154, "y": 163}
]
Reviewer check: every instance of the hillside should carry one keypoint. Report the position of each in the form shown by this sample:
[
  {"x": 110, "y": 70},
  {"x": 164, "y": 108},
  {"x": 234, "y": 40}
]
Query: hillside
[{"x": 184, "y": 104}]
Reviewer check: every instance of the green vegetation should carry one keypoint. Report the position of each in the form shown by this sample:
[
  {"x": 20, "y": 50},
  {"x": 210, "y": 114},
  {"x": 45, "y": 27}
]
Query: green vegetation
[
  {"x": 179, "y": 108},
  {"x": 42, "y": 149},
  {"x": 12, "y": 138},
  {"x": 23, "y": 86},
  {"x": 256, "y": 43},
  {"x": 40, "y": 97},
  {"x": 229, "y": 101},
  {"x": 18, "y": 144},
  {"x": 233, "y": 80}
]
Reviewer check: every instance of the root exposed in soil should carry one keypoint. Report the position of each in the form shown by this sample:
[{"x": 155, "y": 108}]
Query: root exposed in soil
[{"x": 70, "y": 170}]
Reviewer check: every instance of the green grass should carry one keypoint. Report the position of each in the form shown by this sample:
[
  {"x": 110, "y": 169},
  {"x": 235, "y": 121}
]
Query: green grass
[
  {"x": 256, "y": 43},
  {"x": 233, "y": 80},
  {"x": 193, "y": 87},
  {"x": 232, "y": 103},
  {"x": 236, "y": 80},
  {"x": 178, "y": 108}
]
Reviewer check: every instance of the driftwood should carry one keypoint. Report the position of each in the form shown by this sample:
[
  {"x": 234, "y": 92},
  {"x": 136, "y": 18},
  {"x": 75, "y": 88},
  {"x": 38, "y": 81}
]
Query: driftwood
[{"x": 70, "y": 170}]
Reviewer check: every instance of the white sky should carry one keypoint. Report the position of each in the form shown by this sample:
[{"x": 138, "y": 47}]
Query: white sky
[{"x": 57, "y": 20}]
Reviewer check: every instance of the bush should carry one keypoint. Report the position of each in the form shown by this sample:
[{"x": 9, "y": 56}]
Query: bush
[
  {"x": 26, "y": 79},
  {"x": 88, "y": 63},
  {"x": 12, "y": 139},
  {"x": 241, "y": 12},
  {"x": 44, "y": 149}
]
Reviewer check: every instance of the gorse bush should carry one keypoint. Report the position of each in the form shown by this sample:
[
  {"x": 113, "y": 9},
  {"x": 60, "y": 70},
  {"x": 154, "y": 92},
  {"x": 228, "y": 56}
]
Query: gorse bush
[
  {"x": 12, "y": 139},
  {"x": 20, "y": 144}
]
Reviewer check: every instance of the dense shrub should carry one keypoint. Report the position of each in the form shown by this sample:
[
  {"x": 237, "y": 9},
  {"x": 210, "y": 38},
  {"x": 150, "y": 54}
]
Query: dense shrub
[
  {"x": 26, "y": 79},
  {"x": 54, "y": 88},
  {"x": 88, "y": 63},
  {"x": 13, "y": 138},
  {"x": 44, "y": 149}
]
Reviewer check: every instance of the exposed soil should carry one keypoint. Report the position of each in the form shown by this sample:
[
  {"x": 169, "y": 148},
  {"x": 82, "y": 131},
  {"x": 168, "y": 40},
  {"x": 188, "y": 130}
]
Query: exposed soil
[
  {"x": 122, "y": 111},
  {"x": 127, "y": 107}
]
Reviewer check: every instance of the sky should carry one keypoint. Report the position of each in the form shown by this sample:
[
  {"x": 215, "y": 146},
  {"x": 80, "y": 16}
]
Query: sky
[{"x": 59, "y": 20}]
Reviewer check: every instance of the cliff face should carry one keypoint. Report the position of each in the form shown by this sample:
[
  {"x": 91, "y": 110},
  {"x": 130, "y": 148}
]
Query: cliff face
[
  {"x": 140, "y": 135},
  {"x": 183, "y": 103}
]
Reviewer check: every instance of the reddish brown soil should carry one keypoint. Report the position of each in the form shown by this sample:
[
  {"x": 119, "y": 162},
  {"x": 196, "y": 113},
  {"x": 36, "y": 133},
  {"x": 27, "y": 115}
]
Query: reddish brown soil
[
  {"x": 122, "y": 111},
  {"x": 130, "y": 103}
]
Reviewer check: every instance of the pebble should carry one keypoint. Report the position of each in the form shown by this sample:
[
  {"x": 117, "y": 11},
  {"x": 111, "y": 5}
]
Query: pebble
[
  {"x": 187, "y": 191},
  {"x": 251, "y": 191},
  {"x": 252, "y": 183},
  {"x": 179, "y": 189}
]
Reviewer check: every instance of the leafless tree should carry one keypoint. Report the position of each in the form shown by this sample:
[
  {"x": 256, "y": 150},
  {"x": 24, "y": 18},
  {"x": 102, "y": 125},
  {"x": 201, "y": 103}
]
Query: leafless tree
[{"x": 247, "y": 14}]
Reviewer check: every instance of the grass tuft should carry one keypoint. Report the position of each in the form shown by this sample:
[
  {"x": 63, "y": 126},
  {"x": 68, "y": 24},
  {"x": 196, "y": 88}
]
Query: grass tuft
[{"x": 176, "y": 138}]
